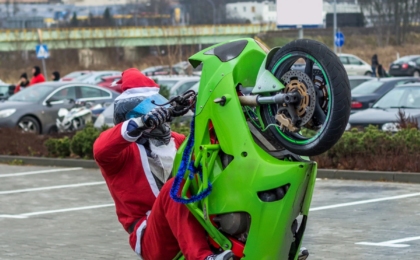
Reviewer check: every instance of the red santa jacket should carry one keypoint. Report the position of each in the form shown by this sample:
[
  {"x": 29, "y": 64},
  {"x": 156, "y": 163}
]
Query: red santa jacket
[
  {"x": 125, "y": 167},
  {"x": 37, "y": 79}
]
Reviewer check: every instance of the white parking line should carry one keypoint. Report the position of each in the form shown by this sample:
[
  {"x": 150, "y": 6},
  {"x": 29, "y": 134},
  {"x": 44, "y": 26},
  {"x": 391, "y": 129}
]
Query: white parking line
[
  {"x": 39, "y": 172},
  {"x": 365, "y": 202},
  {"x": 25, "y": 215},
  {"x": 391, "y": 243},
  {"x": 53, "y": 187}
]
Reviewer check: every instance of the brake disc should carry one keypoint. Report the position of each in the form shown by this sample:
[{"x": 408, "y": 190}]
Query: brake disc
[{"x": 299, "y": 81}]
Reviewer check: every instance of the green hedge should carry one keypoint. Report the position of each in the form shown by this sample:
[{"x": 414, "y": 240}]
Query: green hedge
[
  {"x": 81, "y": 144},
  {"x": 373, "y": 149}
]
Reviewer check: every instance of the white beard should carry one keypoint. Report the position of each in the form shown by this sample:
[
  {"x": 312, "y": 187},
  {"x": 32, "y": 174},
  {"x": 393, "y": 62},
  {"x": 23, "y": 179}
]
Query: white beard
[{"x": 165, "y": 155}]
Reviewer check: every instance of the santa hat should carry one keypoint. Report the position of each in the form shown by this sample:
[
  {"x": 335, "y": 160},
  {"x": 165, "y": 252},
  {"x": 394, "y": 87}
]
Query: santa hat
[{"x": 135, "y": 84}]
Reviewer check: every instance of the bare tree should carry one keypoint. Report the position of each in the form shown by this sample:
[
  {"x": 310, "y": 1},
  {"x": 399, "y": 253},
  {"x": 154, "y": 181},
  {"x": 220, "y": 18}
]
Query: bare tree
[{"x": 392, "y": 17}]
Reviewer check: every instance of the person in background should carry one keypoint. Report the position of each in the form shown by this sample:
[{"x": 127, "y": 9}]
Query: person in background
[
  {"x": 380, "y": 72},
  {"x": 23, "y": 83},
  {"x": 375, "y": 64},
  {"x": 37, "y": 76},
  {"x": 55, "y": 76}
]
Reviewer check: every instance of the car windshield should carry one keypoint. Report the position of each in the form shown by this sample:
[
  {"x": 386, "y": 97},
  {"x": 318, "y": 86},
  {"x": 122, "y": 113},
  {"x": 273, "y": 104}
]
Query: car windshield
[
  {"x": 33, "y": 94},
  {"x": 151, "y": 69},
  {"x": 168, "y": 83},
  {"x": 75, "y": 74},
  {"x": 195, "y": 87},
  {"x": 368, "y": 87},
  {"x": 83, "y": 77},
  {"x": 356, "y": 82},
  {"x": 400, "y": 97},
  {"x": 4, "y": 90},
  {"x": 404, "y": 59}
]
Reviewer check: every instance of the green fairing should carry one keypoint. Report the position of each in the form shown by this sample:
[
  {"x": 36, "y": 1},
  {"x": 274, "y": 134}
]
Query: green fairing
[{"x": 252, "y": 169}]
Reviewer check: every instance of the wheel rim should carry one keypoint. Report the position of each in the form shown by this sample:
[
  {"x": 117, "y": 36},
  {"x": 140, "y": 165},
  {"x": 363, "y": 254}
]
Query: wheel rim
[
  {"x": 28, "y": 126},
  {"x": 285, "y": 64}
]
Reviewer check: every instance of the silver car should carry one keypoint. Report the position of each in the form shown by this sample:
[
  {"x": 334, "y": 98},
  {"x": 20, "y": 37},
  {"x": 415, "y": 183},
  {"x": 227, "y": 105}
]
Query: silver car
[
  {"x": 96, "y": 77},
  {"x": 35, "y": 109}
]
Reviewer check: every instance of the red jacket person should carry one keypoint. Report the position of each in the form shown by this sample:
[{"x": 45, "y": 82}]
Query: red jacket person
[{"x": 136, "y": 162}]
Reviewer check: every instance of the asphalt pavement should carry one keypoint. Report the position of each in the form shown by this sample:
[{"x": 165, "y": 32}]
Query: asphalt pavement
[{"x": 67, "y": 213}]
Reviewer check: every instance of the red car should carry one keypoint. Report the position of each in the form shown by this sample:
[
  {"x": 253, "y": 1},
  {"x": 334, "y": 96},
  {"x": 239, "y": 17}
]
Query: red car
[
  {"x": 74, "y": 75},
  {"x": 110, "y": 82}
]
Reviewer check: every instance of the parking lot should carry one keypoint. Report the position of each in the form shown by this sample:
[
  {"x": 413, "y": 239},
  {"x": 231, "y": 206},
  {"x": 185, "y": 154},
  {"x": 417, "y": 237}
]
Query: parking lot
[{"x": 67, "y": 213}]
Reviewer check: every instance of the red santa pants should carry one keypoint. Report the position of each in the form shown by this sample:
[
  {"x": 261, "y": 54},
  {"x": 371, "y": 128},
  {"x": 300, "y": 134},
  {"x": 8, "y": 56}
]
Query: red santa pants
[{"x": 171, "y": 228}]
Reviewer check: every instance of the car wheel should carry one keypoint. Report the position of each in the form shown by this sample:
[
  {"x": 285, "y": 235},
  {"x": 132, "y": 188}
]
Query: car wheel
[
  {"x": 368, "y": 73},
  {"x": 29, "y": 125},
  {"x": 416, "y": 73}
]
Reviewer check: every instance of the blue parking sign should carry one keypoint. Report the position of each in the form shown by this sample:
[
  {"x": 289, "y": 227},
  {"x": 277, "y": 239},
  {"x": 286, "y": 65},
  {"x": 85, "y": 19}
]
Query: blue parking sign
[
  {"x": 339, "y": 39},
  {"x": 42, "y": 52}
]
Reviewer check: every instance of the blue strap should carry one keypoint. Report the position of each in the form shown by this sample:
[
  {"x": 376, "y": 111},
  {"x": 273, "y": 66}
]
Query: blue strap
[{"x": 193, "y": 170}]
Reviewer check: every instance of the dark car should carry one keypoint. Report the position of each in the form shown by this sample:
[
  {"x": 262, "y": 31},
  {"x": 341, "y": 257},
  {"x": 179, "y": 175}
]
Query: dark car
[
  {"x": 35, "y": 109},
  {"x": 406, "y": 66},
  {"x": 367, "y": 93},
  {"x": 6, "y": 91},
  {"x": 357, "y": 80},
  {"x": 384, "y": 112}
]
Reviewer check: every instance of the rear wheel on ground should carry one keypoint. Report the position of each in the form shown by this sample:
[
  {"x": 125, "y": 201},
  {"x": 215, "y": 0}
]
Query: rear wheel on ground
[{"x": 29, "y": 125}]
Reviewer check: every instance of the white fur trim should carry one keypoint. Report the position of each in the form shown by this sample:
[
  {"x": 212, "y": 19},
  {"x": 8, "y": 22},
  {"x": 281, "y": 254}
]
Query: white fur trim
[
  {"x": 146, "y": 168},
  {"x": 139, "y": 235},
  {"x": 138, "y": 92},
  {"x": 124, "y": 133}
]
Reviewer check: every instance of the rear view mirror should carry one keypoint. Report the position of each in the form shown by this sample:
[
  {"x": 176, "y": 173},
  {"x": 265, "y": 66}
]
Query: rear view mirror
[{"x": 62, "y": 112}]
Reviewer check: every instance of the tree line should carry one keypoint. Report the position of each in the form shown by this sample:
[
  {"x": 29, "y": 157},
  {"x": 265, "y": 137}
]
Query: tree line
[{"x": 392, "y": 19}]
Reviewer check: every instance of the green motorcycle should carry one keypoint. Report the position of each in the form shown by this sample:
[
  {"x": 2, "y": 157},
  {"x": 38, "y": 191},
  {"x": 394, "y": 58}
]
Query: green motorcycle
[{"x": 244, "y": 166}]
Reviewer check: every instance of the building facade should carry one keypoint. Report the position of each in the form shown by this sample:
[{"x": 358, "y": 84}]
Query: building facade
[{"x": 253, "y": 12}]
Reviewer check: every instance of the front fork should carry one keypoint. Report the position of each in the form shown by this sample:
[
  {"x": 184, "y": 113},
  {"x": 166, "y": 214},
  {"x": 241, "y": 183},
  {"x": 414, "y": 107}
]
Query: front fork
[{"x": 286, "y": 101}]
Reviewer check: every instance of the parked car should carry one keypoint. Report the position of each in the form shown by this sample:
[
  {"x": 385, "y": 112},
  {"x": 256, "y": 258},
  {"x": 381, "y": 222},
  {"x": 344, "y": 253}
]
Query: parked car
[
  {"x": 106, "y": 118},
  {"x": 96, "y": 77},
  {"x": 354, "y": 65},
  {"x": 110, "y": 82},
  {"x": 6, "y": 90},
  {"x": 367, "y": 93},
  {"x": 35, "y": 109},
  {"x": 384, "y": 113},
  {"x": 163, "y": 70},
  {"x": 75, "y": 75},
  {"x": 357, "y": 80},
  {"x": 406, "y": 66},
  {"x": 182, "y": 84}
]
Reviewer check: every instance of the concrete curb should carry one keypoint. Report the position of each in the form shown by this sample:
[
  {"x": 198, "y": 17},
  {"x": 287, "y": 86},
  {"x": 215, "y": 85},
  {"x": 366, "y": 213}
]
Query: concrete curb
[
  {"x": 322, "y": 173},
  {"x": 41, "y": 161},
  {"x": 412, "y": 177}
]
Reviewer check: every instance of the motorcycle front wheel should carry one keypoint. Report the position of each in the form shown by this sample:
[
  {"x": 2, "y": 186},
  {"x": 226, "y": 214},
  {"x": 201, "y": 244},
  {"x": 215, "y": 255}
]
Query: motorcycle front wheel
[{"x": 326, "y": 98}]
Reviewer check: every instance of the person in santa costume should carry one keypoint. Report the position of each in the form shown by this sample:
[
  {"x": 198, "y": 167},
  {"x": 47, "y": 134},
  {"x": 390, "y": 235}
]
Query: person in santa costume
[{"x": 136, "y": 162}]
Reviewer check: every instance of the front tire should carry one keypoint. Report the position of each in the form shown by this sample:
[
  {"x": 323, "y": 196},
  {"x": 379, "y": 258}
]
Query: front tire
[
  {"x": 29, "y": 124},
  {"x": 338, "y": 102}
]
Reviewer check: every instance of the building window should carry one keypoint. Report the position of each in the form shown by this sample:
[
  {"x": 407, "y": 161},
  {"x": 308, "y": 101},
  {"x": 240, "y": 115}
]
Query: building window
[
  {"x": 253, "y": 9},
  {"x": 244, "y": 8}
]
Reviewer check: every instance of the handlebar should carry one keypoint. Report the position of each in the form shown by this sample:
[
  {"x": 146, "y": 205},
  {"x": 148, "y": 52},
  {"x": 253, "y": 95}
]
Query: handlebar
[{"x": 179, "y": 105}]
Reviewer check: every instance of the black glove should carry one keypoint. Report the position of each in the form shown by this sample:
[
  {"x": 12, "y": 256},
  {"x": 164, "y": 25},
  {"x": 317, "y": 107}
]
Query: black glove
[{"x": 157, "y": 117}]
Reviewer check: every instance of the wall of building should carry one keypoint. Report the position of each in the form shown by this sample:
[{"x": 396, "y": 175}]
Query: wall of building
[{"x": 254, "y": 12}]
